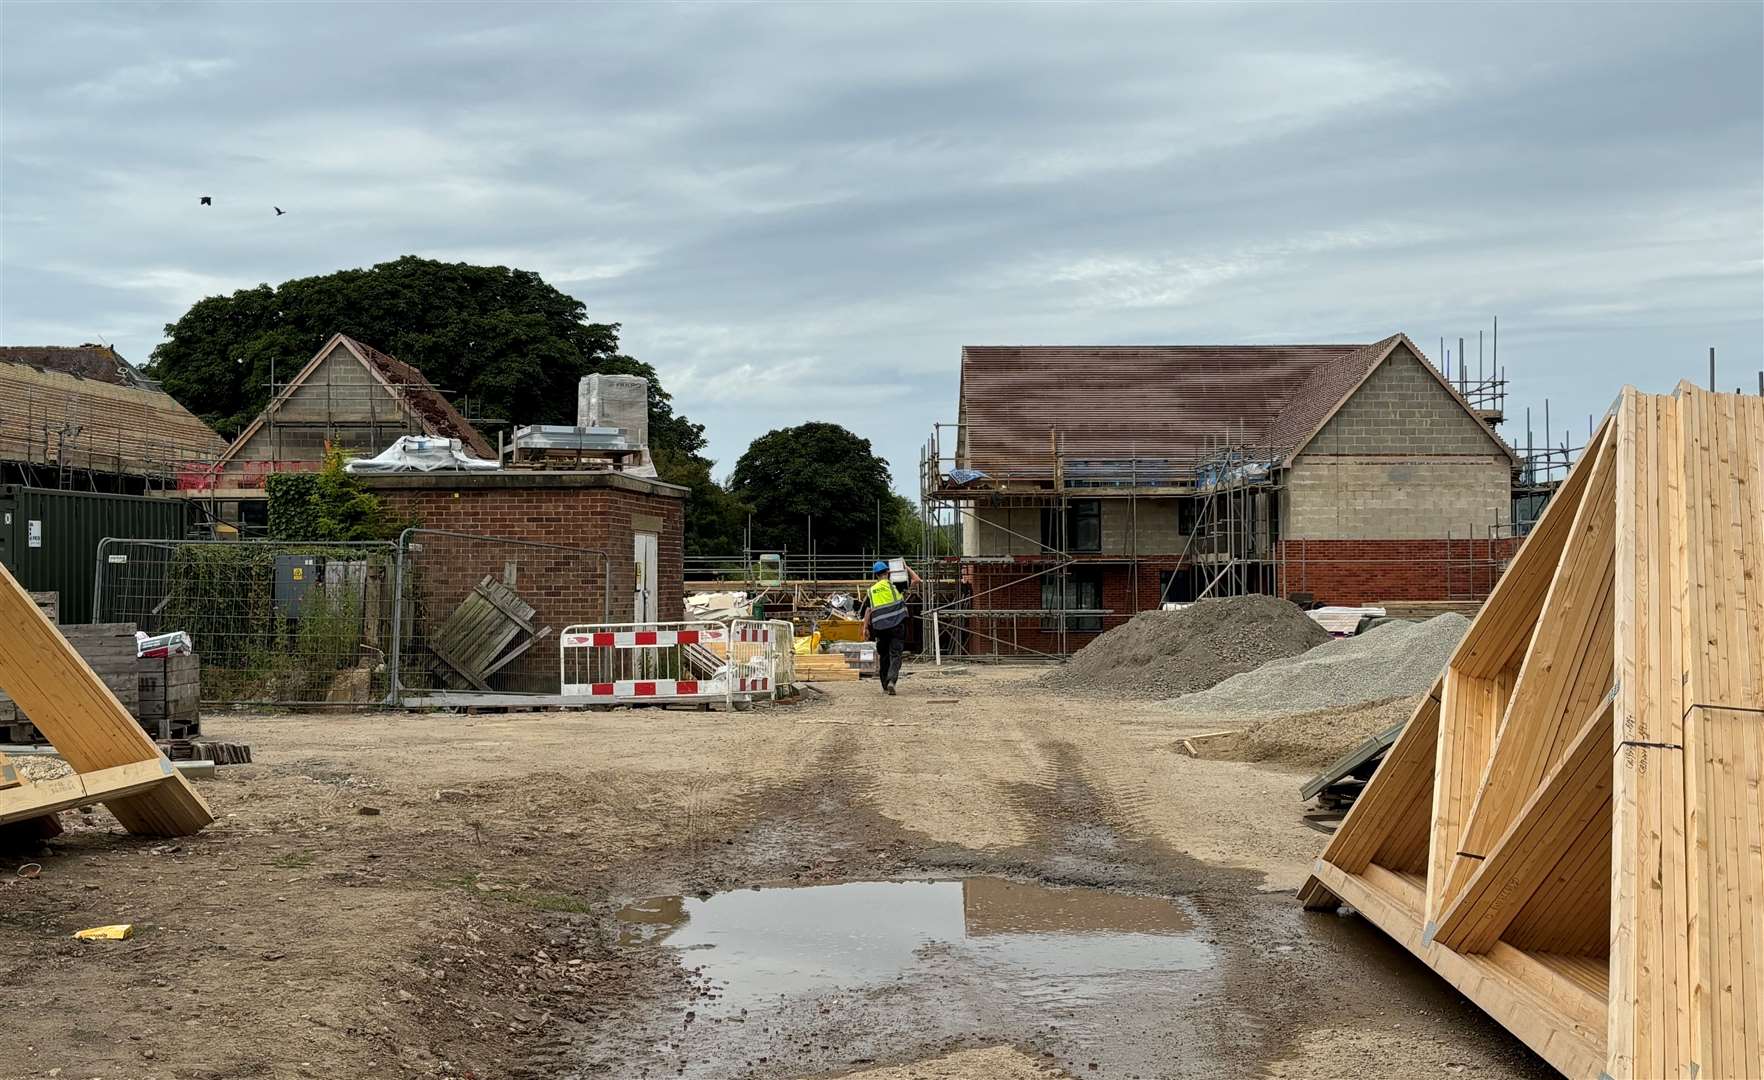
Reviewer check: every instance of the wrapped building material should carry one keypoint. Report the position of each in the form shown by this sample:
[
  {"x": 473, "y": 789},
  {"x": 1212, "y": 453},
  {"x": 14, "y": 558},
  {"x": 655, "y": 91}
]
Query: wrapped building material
[{"x": 617, "y": 401}]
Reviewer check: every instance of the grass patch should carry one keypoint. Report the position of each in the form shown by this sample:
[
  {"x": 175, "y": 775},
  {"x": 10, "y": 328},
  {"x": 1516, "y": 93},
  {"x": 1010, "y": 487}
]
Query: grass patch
[
  {"x": 538, "y": 901},
  {"x": 293, "y": 860},
  {"x": 549, "y": 901}
]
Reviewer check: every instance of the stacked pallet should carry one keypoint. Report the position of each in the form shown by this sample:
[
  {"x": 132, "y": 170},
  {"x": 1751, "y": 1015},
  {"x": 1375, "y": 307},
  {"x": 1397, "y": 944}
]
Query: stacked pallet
[
  {"x": 170, "y": 696},
  {"x": 1569, "y": 829},
  {"x": 109, "y": 650}
]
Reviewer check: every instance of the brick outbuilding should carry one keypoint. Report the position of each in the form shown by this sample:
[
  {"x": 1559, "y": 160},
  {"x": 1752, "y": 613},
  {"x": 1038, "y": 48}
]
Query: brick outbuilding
[{"x": 638, "y": 522}]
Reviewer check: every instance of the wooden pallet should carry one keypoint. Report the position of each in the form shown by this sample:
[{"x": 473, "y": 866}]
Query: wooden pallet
[
  {"x": 490, "y": 629},
  {"x": 1569, "y": 828},
  {"x": 825, "y": 667},
  {"x": 113, "y": 759}
]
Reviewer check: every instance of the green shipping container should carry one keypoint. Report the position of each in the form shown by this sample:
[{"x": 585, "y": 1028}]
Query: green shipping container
[{"x": 49, "y": 538}]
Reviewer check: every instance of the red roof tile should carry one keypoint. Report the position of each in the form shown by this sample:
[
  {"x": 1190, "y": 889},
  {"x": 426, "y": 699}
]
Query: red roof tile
[{"x": 1162, "y": 401}]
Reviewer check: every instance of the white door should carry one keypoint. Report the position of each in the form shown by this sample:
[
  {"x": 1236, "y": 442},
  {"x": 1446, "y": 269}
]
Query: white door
[{"x": 643, "y": 598}]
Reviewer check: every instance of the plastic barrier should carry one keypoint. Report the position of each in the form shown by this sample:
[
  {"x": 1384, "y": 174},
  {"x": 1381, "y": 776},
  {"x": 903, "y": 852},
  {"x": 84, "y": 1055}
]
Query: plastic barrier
[
  {"x": 628, "y": 662},
  {"x": 623, "y": 663}
]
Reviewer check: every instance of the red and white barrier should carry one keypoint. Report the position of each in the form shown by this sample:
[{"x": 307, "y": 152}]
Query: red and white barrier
[
  {"x": 690, "y": 662},
  {"x": 643, "y": 639}
]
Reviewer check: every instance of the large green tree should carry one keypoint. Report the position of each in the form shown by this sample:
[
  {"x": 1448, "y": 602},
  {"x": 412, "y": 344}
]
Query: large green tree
[
  {"x": 822, "y": 471},
  {"x": 715, "y": 519},
  {"x": 498, "y": 339}
]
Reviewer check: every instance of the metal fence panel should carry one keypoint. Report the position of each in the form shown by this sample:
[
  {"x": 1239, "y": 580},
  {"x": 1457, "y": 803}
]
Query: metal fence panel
[
  {"x": 273, "y": 623},
  {"x": 480, "y": 614}
]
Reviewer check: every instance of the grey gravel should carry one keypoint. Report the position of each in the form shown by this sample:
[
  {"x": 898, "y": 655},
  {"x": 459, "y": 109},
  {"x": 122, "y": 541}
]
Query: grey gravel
[
  {"x": 1159, "y": 653},
  {"x": 1391, "y": 660}
]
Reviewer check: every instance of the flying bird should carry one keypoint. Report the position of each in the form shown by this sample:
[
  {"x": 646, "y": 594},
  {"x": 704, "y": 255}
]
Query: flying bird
[
  {"x": 279, "y": 211},
  {"x": 207, "y": 200}
]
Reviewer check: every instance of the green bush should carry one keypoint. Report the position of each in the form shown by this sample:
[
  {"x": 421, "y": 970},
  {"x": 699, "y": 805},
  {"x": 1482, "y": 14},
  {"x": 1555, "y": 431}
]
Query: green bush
[{"x": 327, "y": 505}]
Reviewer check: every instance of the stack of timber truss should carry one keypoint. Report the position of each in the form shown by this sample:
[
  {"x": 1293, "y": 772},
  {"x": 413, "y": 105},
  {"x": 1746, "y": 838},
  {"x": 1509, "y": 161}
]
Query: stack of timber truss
[
  {"x": 114, "y": 761},
  {"x": 1569, "y": 829}
]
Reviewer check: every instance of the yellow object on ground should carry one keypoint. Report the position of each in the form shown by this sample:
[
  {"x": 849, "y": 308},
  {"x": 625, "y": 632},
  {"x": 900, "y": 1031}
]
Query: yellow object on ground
[
  {"x": 842, "y": 629},
  {"x": 115, "y": 932},
  {"x": 806, "y": 646}
]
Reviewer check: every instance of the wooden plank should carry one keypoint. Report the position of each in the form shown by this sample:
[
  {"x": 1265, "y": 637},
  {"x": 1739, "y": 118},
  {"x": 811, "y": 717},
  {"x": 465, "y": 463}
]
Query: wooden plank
[
  {"x": 1535, "y": 1019},
  {"x": 1517, "y": 864},
  {"x": 82, "y": 789},
  {"x": 1504, "y": 625},
  {"x": 1650, "y": 969},
  {"x": 1405, "y": 774},
  {"x": 84, "y": 720},
  {"x": 1562, "y": 679}
]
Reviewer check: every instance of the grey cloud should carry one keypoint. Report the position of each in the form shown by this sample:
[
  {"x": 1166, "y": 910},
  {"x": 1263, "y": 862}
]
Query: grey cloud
[{"x": 801, "y": 211}]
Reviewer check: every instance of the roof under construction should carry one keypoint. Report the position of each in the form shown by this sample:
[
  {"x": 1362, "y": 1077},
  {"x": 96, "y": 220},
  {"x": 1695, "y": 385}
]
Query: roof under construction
[
  {"x": 86, "y": 407},
  {"x": 1154, "y": 401},
  {"x": 432, "y": 413}
]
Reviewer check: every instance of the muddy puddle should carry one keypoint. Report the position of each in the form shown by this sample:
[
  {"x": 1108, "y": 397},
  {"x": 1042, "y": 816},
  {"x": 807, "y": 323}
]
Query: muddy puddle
[
  {"x": 794, "y": 980},
  {"x": 757, "y": 945}
]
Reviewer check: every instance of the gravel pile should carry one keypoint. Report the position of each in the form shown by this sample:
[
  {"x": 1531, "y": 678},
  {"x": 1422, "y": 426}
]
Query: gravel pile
[
  {"x": 1394, "y": 659},
  {"x": 1160, "y": 653},
  {"x": 1311, "y": 740}
]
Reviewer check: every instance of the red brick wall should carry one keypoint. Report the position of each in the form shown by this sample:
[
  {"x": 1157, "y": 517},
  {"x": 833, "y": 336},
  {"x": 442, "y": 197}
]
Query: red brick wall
[
  {"x": 1354, "y": 572},
  {"x": 1346, "y": 572},
  {"x": 563, "y": 587},
  {"x": 1016, "y": 586}
]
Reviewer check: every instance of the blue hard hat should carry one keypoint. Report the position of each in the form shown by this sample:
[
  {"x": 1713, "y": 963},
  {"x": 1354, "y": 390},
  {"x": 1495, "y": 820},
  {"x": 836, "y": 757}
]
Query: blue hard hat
[{"x": 879, "y": 567}]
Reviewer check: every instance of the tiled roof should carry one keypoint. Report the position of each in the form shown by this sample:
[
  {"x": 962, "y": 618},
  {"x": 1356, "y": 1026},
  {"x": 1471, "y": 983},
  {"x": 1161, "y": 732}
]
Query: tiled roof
[
  {"x": 1163, "y": 401},
  {"x": 71, "y": 404},
  {"x": 97, "y": 362}
]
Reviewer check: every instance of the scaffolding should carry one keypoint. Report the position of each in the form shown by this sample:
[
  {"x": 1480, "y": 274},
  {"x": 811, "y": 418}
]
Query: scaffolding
[{"x": 1013, "y": 593}]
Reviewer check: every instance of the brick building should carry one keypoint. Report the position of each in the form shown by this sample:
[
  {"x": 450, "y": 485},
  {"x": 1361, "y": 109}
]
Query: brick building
[
  {"x": 638, "y": 523},
  {"x": 1089, "y": 483}
]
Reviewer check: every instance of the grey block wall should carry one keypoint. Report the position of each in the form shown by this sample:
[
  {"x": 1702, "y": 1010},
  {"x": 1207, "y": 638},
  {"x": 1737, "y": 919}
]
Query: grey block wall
[
  {"x": 1395, "y": 498},
  {"x": 1402, "y": 409},
  {"x": 1402, "y": 460}
]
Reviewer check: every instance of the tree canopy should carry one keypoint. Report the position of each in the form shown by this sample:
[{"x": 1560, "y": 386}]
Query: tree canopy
[
  {"x": 500, "y": 339},
  {"x": 824, "y": 471}
]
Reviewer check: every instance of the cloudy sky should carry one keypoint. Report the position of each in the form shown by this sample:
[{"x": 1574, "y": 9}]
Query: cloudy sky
[{"x": 804, "y": 211}]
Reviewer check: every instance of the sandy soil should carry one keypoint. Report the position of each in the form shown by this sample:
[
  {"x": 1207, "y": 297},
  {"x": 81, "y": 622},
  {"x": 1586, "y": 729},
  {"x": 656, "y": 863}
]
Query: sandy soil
[{"x": 433, "y": 895}]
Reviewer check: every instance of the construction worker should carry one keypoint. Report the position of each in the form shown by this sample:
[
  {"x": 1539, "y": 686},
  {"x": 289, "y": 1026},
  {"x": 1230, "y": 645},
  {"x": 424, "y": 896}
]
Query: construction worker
[{"x": 885, "y": 614}]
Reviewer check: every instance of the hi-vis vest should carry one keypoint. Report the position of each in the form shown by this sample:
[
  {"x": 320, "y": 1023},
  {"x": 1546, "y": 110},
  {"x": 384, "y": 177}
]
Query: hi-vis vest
[{"x": 887, "y": 606}]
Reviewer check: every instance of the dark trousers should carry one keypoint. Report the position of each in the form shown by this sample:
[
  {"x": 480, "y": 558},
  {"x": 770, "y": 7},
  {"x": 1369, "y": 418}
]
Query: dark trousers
[{"x": 889, "y": 644}]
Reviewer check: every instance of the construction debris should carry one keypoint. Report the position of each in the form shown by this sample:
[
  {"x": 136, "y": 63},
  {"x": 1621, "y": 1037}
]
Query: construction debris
[
  {"x": 1568, "y": 827},
  {"x": 490, "y": 629},
  {"x": 1162, "y": 653}
]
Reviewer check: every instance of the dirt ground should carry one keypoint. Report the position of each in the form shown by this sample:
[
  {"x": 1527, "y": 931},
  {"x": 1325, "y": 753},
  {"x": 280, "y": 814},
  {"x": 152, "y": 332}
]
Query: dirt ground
[{"x": 434, "y": 895}]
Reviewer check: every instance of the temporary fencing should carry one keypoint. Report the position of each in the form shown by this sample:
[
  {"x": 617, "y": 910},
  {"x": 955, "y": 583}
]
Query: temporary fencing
[{"x": 702, "y": 662}]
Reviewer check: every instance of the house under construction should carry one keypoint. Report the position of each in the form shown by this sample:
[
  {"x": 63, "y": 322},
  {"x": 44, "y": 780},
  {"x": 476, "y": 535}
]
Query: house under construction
[
  {"x": 1088, "y": 483},
  {"x": 349, "y": 395}
]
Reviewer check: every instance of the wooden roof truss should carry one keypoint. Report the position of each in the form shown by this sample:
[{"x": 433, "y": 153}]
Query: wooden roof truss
[
  {"x": 1570, "y": 827},
  {"x": 114, "y": 761}
]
